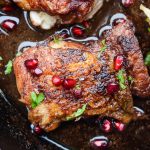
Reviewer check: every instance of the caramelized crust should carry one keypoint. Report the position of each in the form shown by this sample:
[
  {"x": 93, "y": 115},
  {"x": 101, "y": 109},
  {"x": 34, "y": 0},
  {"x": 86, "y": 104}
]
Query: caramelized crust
[
  {"x": 93, "y": 70},
  {"x": 124, "y": 36},
  {"x": 92, "y": 73},
  {"x": 69, "y": 10}
]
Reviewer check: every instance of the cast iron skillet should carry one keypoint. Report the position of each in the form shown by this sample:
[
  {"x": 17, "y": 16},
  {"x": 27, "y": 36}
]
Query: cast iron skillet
[{"x": 15, "y": 131}]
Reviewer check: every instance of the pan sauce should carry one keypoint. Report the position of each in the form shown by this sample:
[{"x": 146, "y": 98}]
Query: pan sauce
[{"x": 136, "y": 136}]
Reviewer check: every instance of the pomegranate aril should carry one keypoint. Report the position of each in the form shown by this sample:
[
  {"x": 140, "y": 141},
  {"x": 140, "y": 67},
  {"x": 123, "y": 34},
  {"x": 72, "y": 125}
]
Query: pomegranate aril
[
  {"x": 37, "y": 130},
  {"x": 37, "y": 72},
  {"x": 8, "y": 8},
  {"x": 99, "y": 143},
  {"x": 77, "y": 93},
  {"x": 118, "y": 62},
  {"x": 69, "y": 83},
  {"x": 112, "y": 88},
  {"x": 56, "y": 80},
  {"x": 31, "y": 64},
  {"x": 118, "y": 21},
  {"x": 8, "y": 25},
  {"x": 119, "y": 126},
  {"x": 127, "y": 3},
  {"x": 77, "y": 31},
  {"x": 106, "y": 125}
]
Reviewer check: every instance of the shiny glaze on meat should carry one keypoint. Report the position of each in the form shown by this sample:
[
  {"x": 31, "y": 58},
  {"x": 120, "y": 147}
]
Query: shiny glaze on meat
[
  {"x": 69, "y": 10},
  {"x": 92, "y": 70}
]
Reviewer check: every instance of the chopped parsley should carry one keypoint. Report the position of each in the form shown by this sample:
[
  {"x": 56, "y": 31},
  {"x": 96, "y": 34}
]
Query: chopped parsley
[
  {"x": 36, "y": 99},
  {"x": 57, "y": 39},
  {"x": 18, "y": 54},
  {"x": 9, "y": 66},
  {"x": 121, "y": 78},
  {"x": 1, "y": 58},
  {"x": 147, "y": 20},
  {"x": 78, "y": 113},
  {"x": 130, "y": 78},
  {"x": 147, "y": 59},
  {"x": 104, "y": 46},
  {"x": 77, "y": 87}
]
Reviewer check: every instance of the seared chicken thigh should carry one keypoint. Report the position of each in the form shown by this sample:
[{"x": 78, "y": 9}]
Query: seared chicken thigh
[
  {"x": 70, "y": 11},
  {"x": 90, "y": 85}
]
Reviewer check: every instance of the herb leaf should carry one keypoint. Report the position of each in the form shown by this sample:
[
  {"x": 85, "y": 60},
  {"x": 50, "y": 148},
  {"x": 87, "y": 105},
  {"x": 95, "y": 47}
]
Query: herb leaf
[
  {"x": 33, "y": 96},
  {"x": 18, "y": 53},
  {"x": 78, "y": 113},
  {"x": 9, "y": 66},
  {"x": 36, "y": 99},
  {"x": 40, "y": 98},
  {"x": 147, "y": 59},
  {"x": 57, "y": 39},
  {"x": 1, "y": 58},
  {"x": 104, "y": 46},
  {"x": 130, "y": 78},
  {"x": 121, "y": 78}
]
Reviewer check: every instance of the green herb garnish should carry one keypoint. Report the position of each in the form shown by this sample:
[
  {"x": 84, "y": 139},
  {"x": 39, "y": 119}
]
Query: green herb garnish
[
  {"x": 147, "y": 20},
  {"x": 121, "y": 78},
  {"x": 147, "y": 59},
  {"x": 130, "y": 78},
  {"x": 36, "y": 99},
  {"x": 104, "y": 46},
  {"x": 1, "y": 58},
  {"x": 77, "y": 87},
  {"x": 78, "y": 113},
  {"x": 9, "y": 66},
  {"x": 57, "y": 39},
  {"x": 18, "y": 54}
]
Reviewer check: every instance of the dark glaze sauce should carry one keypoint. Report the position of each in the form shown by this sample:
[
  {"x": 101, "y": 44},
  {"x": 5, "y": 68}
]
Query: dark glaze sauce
[{"x": 75, "y": 135}]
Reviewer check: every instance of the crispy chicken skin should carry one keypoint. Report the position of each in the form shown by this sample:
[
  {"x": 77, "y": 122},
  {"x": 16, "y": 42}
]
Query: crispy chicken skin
[
  {"x": 75, "y": 61},
  {"x": 135, "y": 64},
  {"x": 92, "y": 69},
  {"x": 69, "y": 11}
]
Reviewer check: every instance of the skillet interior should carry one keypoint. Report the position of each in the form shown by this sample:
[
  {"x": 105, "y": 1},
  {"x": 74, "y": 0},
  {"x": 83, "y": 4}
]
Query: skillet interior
[{"x": 15, "y": 128}]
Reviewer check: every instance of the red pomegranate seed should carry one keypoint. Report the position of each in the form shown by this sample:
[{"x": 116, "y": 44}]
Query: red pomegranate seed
[
  {"x": 99, "y": 143},
  {"x": 69, "y": 83},
  {"x": 8, "y": 25},
  {"x": 77, "y": 93},
  {"x": 118, "y": 62},
  {"x": 37, "y": 72},
  {"x": 37, "y": 130},
  {"x": 8, "y": 8},
  {"x": 86, "y": 24},
  {"x": 106, "y": 125},
  {"x": 119, "y": 126},
  {"x": 56, "y": 80},
  {"x": 112, "y": 88},
  {"x": 77, "y": 31},
  {"x": 118, "y": 21},
  {"x": 64, "y": 35},
  {"x": 31, "y": 64},
  {"x": 127, "y": 3}
]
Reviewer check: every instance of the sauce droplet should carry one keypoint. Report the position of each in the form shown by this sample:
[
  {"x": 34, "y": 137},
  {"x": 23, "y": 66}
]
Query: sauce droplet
[{"x": 99, "y": 143}]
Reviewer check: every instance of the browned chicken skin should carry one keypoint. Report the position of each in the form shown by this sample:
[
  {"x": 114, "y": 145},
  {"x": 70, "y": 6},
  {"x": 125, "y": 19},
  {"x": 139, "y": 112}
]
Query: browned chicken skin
[
  {"x": 135, "y": 64},
  {"x": 92, "y": 69},
  {"x": 70, "y": 11}
]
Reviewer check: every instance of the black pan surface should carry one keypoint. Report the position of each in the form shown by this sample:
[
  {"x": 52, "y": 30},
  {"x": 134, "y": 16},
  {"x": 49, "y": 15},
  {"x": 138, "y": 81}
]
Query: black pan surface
[{"x": 15, "y": 131}]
